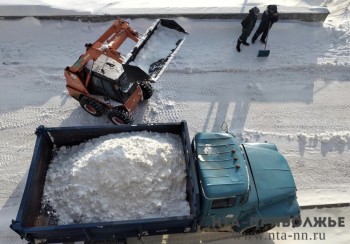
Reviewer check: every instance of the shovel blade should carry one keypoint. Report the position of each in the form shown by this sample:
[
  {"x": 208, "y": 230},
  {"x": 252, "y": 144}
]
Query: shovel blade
[{"x": 264, "y": 53}]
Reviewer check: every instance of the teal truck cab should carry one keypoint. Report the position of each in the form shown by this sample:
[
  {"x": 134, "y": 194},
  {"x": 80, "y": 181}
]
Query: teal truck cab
[{"x": 246, "y": 188}]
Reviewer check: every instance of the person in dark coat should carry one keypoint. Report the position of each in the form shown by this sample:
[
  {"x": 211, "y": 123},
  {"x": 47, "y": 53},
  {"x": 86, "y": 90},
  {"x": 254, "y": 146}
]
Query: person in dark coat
[
  {"x": 248, "y": 24},
  {"x": 269, "y": 17}
]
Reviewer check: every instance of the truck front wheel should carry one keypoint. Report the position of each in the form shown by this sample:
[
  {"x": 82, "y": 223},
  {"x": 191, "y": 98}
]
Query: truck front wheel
[{"x": 253, "y": 230}]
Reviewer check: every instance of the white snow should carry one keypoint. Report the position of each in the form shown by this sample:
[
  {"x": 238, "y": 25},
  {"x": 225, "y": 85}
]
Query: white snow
[
  {"x": 107, "y": 67},
  {"x": 297, "y": 98},
  {"x": 125, "y": 176},
  {"x": 160, "y": 46}
]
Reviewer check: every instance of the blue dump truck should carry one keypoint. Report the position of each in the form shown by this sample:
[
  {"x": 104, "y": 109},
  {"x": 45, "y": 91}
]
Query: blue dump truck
[{"x": 248, "y": 188}]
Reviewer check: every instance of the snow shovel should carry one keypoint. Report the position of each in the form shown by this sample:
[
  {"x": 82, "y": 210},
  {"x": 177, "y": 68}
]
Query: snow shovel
[{"x": 265, "y": 53}]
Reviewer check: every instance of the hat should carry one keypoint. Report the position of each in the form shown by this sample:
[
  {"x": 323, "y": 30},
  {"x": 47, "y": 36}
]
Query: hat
[
  {"x": 255, "y": 10},
  {"x": 272, "y": 8}
]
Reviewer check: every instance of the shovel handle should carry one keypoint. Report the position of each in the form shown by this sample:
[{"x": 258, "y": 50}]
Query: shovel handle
[{"x": 267, "y": 35}]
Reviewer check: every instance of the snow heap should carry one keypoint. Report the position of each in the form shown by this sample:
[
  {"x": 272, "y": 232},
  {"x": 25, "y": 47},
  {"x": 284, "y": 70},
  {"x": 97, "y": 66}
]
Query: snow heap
[
  {"x": 160, "y": 46},
  {"x": 123, "y": 176}
]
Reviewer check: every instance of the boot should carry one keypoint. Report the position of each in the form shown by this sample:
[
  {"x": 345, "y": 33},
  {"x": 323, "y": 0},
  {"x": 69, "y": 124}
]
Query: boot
[
  {"x": 238, "y": 46},
  {"x": 245, "y": 43},
  {"x": 263, "y": 41}
]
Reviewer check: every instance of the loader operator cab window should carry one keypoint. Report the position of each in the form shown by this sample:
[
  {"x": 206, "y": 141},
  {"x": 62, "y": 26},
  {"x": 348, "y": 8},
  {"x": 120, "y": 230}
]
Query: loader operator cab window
[
  {"x": 98, "y": 86},
  {"x": 125, "y": 84}
]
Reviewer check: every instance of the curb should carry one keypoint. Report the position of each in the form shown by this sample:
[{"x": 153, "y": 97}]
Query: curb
[
  {"x": 332, "y": 205},
  {"x": 317, "y": 15}
]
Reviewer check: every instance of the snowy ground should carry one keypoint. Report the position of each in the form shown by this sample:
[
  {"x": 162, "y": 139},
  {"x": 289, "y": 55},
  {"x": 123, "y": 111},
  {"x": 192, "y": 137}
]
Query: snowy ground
[{"x": 297, "y": 98}]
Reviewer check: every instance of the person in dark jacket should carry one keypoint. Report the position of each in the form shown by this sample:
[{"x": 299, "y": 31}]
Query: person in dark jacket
[
  {"x": 269, "y": 17},
  {"x": 248, "y": 24}
]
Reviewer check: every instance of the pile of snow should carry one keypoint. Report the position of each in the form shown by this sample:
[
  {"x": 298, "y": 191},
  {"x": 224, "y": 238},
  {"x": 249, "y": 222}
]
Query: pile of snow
[{"x": 123, "y": 176}]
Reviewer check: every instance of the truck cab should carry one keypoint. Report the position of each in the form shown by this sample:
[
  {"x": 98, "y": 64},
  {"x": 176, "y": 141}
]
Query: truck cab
[{"x": 248, "y": 187}]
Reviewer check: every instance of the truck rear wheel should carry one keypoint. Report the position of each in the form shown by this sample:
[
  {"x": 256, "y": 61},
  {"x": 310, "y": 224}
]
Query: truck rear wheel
[
  {"x": 147, "y": 90},
  {"x": 253, "y": 230},
  {"x": 91, "y": 106},
  {"x": 120, "y": 117}
]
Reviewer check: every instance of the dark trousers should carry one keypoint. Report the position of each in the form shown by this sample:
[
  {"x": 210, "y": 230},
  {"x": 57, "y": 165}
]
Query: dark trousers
[
  {"x": 245, "y": 35},
  {"x": 261, "y": 29}
]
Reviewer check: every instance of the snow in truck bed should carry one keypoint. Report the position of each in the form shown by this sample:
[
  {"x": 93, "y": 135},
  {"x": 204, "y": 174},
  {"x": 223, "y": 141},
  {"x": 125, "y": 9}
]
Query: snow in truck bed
[{"x": 124, "y": 176}]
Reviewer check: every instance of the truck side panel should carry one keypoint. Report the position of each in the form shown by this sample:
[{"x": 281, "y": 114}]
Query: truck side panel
[
  {"x": 108, "y": 230},
  {"x": 32, "y": 224},
  {"x": 42, "y": 153}
]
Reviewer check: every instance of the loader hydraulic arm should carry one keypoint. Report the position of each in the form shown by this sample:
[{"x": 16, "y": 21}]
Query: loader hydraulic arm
[{"x": 107, "y": 44}]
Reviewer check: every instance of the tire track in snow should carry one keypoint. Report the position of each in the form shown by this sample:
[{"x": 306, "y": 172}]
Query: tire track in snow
[{"x": 281, "y": 105}]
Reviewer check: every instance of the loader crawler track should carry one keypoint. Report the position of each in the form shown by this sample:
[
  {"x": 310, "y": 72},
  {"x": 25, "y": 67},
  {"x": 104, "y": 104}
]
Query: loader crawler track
[
  {"x": 91, "y": 106},
  {"x": 119, "y": 117},
  {"x": 147, "y": 90}
]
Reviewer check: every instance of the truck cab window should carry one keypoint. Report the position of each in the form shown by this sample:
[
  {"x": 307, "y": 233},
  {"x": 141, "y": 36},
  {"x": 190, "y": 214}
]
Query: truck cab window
[{"x": 224, "y": 203}]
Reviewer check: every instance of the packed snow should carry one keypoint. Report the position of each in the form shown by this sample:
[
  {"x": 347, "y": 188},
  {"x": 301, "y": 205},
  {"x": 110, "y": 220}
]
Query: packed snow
[
  {"x": 106, "y": 66},
  {"x": 160, "y": 48},
  {"x": 297, "y": 98},
  {"x": 125, "y": 176}
]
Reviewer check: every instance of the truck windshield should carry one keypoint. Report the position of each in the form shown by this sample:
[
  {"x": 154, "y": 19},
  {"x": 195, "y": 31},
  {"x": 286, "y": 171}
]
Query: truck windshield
[{"x": 224, "y": 203}]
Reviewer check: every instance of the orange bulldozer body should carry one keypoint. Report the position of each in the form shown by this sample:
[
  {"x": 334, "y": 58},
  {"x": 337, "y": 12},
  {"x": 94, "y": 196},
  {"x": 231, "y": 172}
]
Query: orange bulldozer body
[{"x": 104, "y": 81}]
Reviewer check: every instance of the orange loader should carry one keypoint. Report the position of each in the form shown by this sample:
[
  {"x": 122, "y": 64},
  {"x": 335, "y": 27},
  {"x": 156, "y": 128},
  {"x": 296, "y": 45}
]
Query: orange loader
[{"x": 106, "y": 82}]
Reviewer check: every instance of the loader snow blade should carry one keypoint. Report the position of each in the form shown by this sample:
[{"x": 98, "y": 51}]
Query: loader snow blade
[
  {"x": 157, "y": 47},
  {"x": 134, "y": 73}
]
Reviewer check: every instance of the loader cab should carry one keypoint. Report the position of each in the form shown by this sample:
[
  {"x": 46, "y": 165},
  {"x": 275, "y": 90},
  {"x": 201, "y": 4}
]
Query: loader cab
[
  {"x": 109, "y": 79},
  {"x": 119, "y": 90}
]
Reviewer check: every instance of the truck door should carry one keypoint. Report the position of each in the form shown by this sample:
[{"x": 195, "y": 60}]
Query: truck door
[{"x": 222, "y": 212}]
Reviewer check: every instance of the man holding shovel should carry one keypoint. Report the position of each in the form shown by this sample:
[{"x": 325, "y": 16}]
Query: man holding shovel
[{"x": 269, "y": 17}]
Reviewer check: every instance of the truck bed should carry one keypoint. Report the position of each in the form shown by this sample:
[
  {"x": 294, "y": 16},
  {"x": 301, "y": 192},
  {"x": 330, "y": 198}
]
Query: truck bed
[{"x": 35, "y": 225}]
